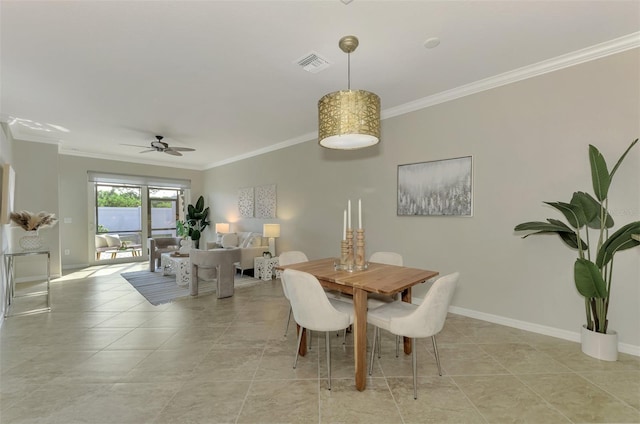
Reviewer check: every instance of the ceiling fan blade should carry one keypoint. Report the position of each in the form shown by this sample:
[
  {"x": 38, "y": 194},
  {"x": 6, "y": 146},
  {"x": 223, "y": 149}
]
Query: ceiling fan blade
[
  {"x": 170, "y": 151},
  {"x": 149, "y": 150},
  {"x": 134, "y": 145},
  {"x": 183, "y": 149}
]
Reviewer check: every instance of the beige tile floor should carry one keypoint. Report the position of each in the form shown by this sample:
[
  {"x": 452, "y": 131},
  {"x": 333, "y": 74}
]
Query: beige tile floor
[{"x": 104, "y": 355}]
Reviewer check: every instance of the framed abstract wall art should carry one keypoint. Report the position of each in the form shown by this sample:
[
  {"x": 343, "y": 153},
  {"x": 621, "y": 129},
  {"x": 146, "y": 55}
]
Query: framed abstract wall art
[{"x": 436, "y": 188}]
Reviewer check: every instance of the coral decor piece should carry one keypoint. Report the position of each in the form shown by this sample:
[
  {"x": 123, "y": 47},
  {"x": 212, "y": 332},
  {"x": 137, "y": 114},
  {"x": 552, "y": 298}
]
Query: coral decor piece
[{"x": 30, "y": 221}]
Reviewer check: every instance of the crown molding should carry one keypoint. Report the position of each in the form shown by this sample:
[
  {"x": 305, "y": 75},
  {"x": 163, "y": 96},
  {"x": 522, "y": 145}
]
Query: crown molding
[
  {"x": 78, "y": 153},
  {"x": 287, "y": 143},
  {"x": 618, "y": 45}
]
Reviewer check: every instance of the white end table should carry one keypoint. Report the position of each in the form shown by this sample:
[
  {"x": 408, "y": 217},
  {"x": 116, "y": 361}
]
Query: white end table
[
  {"x": 263, "y": 267},
  {"x": 178, "y": 265}
]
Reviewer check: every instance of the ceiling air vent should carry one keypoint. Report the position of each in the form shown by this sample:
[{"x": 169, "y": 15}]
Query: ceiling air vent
[{"x": 312, "y": 62}]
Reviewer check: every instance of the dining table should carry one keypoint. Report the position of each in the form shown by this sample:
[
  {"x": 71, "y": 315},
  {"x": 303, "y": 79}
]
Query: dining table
[{"x": 376, "y": 278}]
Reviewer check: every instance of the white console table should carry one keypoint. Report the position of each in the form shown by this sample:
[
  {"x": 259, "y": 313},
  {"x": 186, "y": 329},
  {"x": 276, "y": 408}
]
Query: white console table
[
  {"x": 263, "y": 267},
  {"x": 178, "y": 265},
  {"x": 10, "y": 292}
]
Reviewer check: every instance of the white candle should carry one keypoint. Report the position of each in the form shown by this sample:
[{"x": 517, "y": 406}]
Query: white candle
[
  {"x": 344, "y": 226},
  {"x": 359, "y": 214},
  {"x": 349, "y": 209}
]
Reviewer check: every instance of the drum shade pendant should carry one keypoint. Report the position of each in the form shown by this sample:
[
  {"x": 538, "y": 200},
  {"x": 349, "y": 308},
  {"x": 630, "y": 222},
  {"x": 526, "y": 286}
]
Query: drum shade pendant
[{"x": 349, "y": 119}]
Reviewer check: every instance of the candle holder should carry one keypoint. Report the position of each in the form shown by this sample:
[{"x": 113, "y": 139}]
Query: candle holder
[
  {"x": 349, "y": 247},
  {"x": 359, "y": 263},
  {"x": 348, "y": 260},
  {"x": 343, "y": 253}
]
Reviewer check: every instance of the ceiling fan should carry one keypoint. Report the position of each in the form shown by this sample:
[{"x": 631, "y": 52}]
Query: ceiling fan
[{"x": 163, "y": 147}]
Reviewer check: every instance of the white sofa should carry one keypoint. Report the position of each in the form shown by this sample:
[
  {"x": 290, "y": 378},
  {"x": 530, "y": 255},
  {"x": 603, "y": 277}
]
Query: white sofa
[{"x": 251, "y": 246}]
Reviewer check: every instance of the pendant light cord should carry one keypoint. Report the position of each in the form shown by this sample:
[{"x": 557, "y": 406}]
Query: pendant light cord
[{"x": 348, "y": 71}]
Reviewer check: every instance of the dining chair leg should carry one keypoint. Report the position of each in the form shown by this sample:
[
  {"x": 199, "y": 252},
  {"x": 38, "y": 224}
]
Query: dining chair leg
[
  {"x": 435, "y": 349},
  {"x": 328, "y": 347},
  {"x": 286, "y": 327},
  {"x": 397, "y": 346},
  {"x": 414, "y": 363},
  {"x": 373, "y": 349},
  {"x": 309, "y": 344},
  {"x": 379, "y": 344},
  {"x": 295, "y": 361}
]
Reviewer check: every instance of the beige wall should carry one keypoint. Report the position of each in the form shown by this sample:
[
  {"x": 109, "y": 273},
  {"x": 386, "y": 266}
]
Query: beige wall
[
  {"x": 74, "y": 195},
  {"x": 36, "y": 166},
  {"x": 529, "y": 144}
]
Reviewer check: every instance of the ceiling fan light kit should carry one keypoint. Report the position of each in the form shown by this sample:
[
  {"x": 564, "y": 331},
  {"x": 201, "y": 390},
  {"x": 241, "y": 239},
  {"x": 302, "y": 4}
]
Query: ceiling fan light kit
[{"x": 349, "y": 119}]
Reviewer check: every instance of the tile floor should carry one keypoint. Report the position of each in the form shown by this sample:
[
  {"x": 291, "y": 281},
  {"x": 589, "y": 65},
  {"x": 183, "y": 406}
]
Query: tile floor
[{"x": 104, "y": 355}]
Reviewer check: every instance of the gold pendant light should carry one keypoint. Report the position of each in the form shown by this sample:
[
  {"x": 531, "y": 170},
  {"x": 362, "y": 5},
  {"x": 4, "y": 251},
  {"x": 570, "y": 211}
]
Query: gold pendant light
[{"x": 349, "y": 119}]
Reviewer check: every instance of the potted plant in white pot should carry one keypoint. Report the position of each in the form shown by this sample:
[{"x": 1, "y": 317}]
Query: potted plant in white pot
[
  {"x": 593, "y": 269},
  {"x": 197, "y": 220}
]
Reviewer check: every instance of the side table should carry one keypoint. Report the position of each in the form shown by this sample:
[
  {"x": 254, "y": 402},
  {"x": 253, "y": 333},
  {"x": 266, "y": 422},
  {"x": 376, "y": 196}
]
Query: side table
[
  {"x": 178, "y": 265},
  {"x": 264, "y": 267},
  {"x": 10, "y": 293}
]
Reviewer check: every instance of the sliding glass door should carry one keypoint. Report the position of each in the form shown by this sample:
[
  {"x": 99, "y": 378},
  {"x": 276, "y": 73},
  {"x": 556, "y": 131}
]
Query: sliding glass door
[
  {"x": 118, "y": 221},
  {"x": 165, "y": 208},
  {"x": 125, "y": 210}
]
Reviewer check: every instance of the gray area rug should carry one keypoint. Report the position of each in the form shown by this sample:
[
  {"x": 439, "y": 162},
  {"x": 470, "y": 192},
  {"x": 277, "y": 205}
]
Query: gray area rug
[{"x": 159, "y": 289}]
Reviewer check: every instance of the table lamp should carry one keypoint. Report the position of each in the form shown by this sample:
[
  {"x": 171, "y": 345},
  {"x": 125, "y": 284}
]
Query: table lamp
[
  {"x": 222, "y": 227},
  {"x": 272, "y": 231}
]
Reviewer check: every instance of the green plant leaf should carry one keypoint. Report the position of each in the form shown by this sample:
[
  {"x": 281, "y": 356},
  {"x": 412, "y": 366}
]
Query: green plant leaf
[
  {"x": 599, "y": 174},
  {"x": 615, "y": 168},
  {"x": 590, "y": 206},
  {"x": 588, "y": 279},
  {"x": 200, "y": 204},
  {"x": 592, "y": 210},
  {"x": 571, "y": 240},
  {"x": 546, "y": 227},
  {"x": 620, "y": 240},
  {"x": 554, "y": 226},
  {"x": 574, "y": 213},
  {"x": 195, "y": 235}
]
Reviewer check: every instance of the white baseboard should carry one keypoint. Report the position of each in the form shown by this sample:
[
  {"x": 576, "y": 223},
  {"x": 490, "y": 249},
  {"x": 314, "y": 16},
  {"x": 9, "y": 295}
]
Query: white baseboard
[{"x": 534, "y": 328}]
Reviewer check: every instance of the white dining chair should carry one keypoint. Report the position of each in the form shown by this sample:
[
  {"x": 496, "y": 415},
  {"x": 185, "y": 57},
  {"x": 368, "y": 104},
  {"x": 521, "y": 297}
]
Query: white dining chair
[
  {"x": 313, "y": 310},
  {"x": 416, "y": 321},
  {"x": 388, "y": 258},
  {"x": 288, "y": 258},
  {"x": 375, "y": 300}
]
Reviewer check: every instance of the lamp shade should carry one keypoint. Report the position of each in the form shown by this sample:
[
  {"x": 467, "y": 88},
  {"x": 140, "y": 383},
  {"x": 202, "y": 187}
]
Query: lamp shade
[
  {"x": 222, "y": 227},
  {"x": 271, "y": 230},
  {"x": 349, "y": 119}
]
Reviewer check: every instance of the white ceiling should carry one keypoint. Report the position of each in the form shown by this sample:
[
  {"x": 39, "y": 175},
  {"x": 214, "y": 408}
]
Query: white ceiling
[{"x": 219, "y": 76}]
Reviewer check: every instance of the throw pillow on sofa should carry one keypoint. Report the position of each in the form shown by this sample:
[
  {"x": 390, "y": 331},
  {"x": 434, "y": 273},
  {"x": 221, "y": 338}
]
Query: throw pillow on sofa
[
  {"x": 229, "y": 240},
  {"x": 254, "y": 241},
  {"x": 101, "y": 241},
  {"x": 113, "y": 240}
]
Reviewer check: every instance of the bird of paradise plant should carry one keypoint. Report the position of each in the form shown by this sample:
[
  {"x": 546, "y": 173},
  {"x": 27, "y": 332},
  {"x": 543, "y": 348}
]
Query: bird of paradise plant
[{"x": 593, "y": 269}]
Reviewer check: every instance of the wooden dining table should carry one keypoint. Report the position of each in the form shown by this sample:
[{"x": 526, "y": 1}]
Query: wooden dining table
[{"x": 376, "y": 278}]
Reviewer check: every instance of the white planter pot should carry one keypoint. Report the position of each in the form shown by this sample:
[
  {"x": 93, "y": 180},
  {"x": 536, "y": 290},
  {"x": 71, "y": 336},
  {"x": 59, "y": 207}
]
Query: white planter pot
[
  {"x": 30, "y": 241},
  {"x": 599, "y": 345}
]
